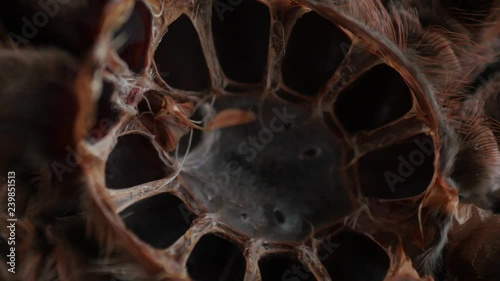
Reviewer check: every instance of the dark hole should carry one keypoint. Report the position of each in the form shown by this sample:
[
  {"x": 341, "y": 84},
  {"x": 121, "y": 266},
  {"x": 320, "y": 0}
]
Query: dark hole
[
  {"x": 179, "y": 57},
  {"x": 400, "y": 171},
  {"x": 279, "y": 217},
  {"x": 241, "y": 37},
  {"x": 137, "y": 31},
  {"x": 368, "y": 262},
  {"x": 159, "y": 220},
  {"x": 496, "y": 206},
  {"x": 216, "y": 259},
  {"x": 151, "y": 102},
  {"x": 377, "y": 98},
  {"x": 283, "y": 267},
  {"x": 107, "y": 114},
  {"x": 244, "y": 216},
  {"x": 315, "y": 49},
  {"x": 310, "y": 153},
  {"x": 133, "y": 161}
]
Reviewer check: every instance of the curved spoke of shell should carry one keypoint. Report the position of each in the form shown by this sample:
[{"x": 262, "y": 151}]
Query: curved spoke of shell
[
  {"x": 204, "y": 27},
  {"x": 253, "y": 254},
  {"x": 365, "y": 143},
  {"x": 126, "y": 197},
  {"x": 182, "y": 249},
  {"x": 252, "y": 272},
  {"x": 308, "y": 256},
  {"x": 105, "y": 146},
  {"x": 357, "y": 61},
  {"x": 276, "y": 52},
  {"x": 282, "y": 23}
]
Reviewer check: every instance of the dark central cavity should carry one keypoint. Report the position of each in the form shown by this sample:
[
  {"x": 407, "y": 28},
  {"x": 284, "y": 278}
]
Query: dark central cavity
[{"x": 277, "y": 178}]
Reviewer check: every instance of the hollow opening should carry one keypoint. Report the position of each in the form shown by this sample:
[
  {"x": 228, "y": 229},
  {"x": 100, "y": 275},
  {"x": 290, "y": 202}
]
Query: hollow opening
[
  {"x": 151, "y": 102},
  {"x": 377, "y": 98},
  {"x": 136, "y": 35},
  {"x": 496, "y": 206},
  {"x": 107, "y": 114},
  {"x": 279, "y": 217},
  {"x": 399, "y": 171},
  {"x": 241, "y": 36},
  {"x": 134, "y": 161},
  {"x": 179, "y": 57},
  {"x": 354, "y": 257},
  {"x": 159, "y": 220},
  {"x": 283, "y": 267},
  {"x": 310, "y": 153},
  {"x": 215, "y": 259},
  {"x": 316, "y": 48}
]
